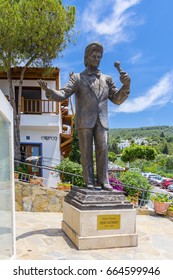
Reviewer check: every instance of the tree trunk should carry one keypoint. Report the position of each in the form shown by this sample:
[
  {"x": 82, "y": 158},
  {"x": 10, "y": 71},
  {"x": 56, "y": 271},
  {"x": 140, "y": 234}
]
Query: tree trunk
[
  {"x": 17, "y": 111},
  {"x": 17, "y": 154},
  {"x": 20, "y": 93},
  {"x": 20, "y": 87}
]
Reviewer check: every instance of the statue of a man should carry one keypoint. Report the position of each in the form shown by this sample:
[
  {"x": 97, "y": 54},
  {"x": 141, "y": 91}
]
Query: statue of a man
[{"x": 92, "y": 91}]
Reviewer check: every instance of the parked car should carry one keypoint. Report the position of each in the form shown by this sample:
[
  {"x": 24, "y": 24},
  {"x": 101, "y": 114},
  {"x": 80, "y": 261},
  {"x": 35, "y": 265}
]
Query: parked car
[
  {"x": 155, "y": 180},
  {"x": 170, "y": 188},
  {"x": 134, "y": 169},
  {"x": 146, "y": 174},
  {"x": 152, "y": 175},
  {"x": 166, "y": 182}
]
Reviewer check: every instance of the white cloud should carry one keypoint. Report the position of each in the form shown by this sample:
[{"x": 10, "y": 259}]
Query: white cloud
[
  {"x": 136, "y": 58},
  {"x": 110, "y": 20},
  {"x": 160, "y": 94}
]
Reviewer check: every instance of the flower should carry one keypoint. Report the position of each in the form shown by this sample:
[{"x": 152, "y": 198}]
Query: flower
[{"x": 116, "y": 184}]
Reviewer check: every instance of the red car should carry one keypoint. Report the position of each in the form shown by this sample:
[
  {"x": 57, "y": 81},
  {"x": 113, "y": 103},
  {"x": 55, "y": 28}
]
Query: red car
[{"x": 166, "y": 182}]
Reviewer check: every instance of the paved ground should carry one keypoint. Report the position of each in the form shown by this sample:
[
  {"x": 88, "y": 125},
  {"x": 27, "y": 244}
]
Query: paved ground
[{"x": 39, "y": 237}]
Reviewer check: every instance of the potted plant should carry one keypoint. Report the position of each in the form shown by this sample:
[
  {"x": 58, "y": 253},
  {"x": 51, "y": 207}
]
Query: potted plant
[
  {"x": 134, "y": 199},
  {"x": 161, "y": 202},
  {"x": 19, "y": 170},
  {"x": 16, "y": 175},
  {"x": 64, "y": 186},
  {"x": 170, "y": 210},
  {"x": 36, "y": 181}
]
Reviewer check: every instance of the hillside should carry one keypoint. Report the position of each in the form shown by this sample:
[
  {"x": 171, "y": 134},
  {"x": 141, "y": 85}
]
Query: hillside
[{"x": 150, "y": 131}]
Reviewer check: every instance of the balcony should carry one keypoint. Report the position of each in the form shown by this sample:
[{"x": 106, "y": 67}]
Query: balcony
[
  {"x": 39, "y": 113},
  {"x": 39, "y": 106}
]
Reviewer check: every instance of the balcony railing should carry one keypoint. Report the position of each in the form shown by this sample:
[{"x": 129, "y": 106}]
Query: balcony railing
[{"x": 39, "y": 106}]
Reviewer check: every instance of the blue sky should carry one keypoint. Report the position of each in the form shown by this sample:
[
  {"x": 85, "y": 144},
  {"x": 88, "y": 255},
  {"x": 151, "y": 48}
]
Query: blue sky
[{"x": 138, "y": 33}]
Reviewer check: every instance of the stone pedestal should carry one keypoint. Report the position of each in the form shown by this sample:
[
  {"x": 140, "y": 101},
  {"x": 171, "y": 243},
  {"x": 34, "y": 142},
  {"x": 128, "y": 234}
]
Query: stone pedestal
[{"x": 99, "y": 219}]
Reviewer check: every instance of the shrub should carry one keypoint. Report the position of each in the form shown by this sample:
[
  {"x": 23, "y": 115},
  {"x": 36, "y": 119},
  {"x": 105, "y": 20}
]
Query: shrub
[
  {"x": 164, "y": 174},
  {"x": 22, "y": 167},
  {"x": 112, "y": 156},
  {"x": 170, "y": 208},
  {"x": 70, "y": 167},
  {"x": 138, "y": 182},
  {"x": 161, "y": 197}
]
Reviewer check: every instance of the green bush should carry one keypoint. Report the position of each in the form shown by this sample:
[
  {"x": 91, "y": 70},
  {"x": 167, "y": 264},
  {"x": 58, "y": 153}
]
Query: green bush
[
  {"x": 135, "y": 179},
  {"x": 112, "y": 156},
  {"x": 75, "y": 151},
  {"x": 21, "y": 167},
  {"x": 170, "y": 208},
  {"x": 164, "y": 174},
  {"x": 70, "y": 167},
  {"x": 161, "y": 197}
]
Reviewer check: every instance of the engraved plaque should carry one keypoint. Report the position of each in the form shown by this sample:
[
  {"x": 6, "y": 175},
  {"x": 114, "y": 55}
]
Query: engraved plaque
[{"x": 106, "y": 222}]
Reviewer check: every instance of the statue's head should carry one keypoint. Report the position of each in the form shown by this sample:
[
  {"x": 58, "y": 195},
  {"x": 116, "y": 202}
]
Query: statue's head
[{"x": 95, "y": 46}]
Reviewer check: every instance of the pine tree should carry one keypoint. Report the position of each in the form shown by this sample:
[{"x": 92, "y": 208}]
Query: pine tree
[{"x": 165, "y": 149}]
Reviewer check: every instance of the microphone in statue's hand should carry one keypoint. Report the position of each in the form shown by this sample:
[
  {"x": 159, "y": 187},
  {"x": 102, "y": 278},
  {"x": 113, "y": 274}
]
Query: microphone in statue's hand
[
  {"x": 117, "y": 65},
  {"x": 124, "y": 77}
]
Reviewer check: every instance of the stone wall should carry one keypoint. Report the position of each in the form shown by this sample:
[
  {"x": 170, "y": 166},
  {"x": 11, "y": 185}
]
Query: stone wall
[{"x": 36, "y": 198}]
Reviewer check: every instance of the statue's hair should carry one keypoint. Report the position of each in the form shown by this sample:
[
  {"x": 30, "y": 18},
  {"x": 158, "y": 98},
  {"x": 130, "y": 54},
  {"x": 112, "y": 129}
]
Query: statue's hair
[{"x": 90, "y": 48}]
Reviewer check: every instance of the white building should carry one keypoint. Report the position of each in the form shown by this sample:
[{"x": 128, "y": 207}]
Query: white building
[
  {"x": 140, "y": 141},
  {"x": 43, "y": 122},
  {"x": 124, "y": 144}
]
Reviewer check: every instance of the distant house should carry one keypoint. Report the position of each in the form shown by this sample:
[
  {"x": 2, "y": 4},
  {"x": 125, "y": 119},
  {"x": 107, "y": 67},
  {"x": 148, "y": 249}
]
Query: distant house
[
  {"x": 46, "y": 125},
  {"x": 141, "y": 141},
  {"x": 124, "y": 144}
]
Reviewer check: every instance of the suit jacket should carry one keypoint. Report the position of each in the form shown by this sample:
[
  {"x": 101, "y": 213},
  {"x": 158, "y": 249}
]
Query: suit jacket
[{"x": 90, "y": 104}]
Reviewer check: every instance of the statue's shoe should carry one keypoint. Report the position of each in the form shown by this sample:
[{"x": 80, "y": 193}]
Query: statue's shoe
[
  {"x": 90, "y": 186},
  {"x": 107, "y": 187}
]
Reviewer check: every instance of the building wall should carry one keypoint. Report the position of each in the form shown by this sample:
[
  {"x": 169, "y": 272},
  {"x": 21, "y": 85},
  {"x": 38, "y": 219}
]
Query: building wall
[
  {"x": 42, "y": 129},
  {"x": 26, "y": 83},
  {"x": 47, "y": 121},
  {"x": 50, "y": 145}
]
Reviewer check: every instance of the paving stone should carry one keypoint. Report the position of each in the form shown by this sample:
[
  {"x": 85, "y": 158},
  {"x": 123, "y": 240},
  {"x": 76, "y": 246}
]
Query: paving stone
[{"x": 39, "y": 237}]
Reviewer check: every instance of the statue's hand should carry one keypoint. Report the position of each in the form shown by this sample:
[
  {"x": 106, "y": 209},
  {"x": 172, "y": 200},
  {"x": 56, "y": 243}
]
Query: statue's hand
[
  {"x": 43, "y": 84},
  {"x": 125, "y": 80},
  {"x": 124, "y": 77}
]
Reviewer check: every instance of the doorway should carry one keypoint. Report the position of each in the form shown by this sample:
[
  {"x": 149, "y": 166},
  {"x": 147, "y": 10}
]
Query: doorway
[{"x": 31, "y": 153}]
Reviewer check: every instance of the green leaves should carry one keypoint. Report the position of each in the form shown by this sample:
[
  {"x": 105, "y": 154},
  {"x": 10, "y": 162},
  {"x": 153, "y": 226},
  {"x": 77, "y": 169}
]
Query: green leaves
[
  {"x": 138, "y": 152},
  {"x": 32, "y": 33},
  {"x": 71, "y": 167},
  {"x": 112, "y": 156},
  {"x": 138, "y": 182},
  {"x": 46, "y": 29},
  {"x": 160, "y": 197},
  {"x": 35, "y": 31},
  {"x": 8, "y": 33}
]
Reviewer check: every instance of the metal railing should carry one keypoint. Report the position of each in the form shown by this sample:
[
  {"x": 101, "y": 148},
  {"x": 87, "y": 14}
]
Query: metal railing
[
  {"x": 51, "y": 169},
  {"x": 142, "y": 196}
]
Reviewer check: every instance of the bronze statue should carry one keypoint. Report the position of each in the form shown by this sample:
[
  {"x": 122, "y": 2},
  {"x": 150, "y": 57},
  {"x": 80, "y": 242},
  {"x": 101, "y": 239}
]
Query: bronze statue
[{"x": 92, "y": 90}]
